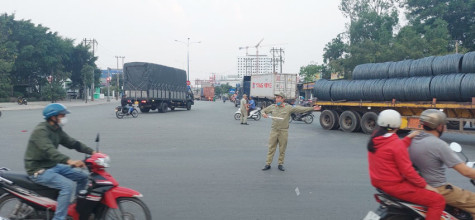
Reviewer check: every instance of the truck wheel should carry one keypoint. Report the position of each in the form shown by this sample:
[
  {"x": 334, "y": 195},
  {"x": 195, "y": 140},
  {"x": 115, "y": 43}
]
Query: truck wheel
[
  {"x": 368, "y": 122},
  {"x": 237, "y": 116},
  {"x": 188, "y": 105},
  {"x": 164, "y": 107},
  {"x": 144, "y": 110},
  {"x": 329, "y": 120},
  {"x": 350, "y": 121}
]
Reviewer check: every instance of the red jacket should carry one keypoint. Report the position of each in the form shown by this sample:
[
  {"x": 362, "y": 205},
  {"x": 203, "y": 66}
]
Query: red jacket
[{"x": 390, "y": 162}]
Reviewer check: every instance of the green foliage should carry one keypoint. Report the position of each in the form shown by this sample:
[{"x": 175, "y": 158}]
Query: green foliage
[
  {"x": 374, "y": 34},
  {"x": 30, "y": 54},
  {"x": 310, "y": 72},
  {"x": 222, "y": 89}
]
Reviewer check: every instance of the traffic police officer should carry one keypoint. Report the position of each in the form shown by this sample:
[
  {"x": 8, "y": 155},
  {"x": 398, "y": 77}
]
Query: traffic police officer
[
  {"x": 280, "y": 125},
  {"x": 244, "y": 110}
]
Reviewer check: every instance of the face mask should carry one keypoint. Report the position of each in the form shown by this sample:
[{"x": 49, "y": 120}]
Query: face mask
[
  {"x": 63, "y": 121},
  {"x": 279, "y": 103}
]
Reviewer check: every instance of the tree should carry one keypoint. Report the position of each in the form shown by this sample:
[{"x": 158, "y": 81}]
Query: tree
[
  {"x": 457, "y": 13},
  {"x": 7, "y": 56},
  {"x": 310, "y": 72}
]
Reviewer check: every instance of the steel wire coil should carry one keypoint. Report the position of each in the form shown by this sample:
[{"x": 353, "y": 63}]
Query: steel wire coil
[
  {"x": 417, "y": 89},
  {"x": 422, "y": 67},
  {"x": 448, "y": 64},
  {"x": 446, "y": 87},
  {"x": 467, "y": 87},
  {"x": 322, "y": 88},
  {"x": 338, "y": 90},
  {"x": 373, "y": 90},
  {"x": 468, "y": 62},
  {"x": 399, "y": 69},
  {"x": 393, "y": 89}
]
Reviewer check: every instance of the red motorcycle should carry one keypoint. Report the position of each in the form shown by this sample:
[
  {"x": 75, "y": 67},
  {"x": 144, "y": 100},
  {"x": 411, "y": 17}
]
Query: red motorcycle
[{"x": 104, "y": 199}]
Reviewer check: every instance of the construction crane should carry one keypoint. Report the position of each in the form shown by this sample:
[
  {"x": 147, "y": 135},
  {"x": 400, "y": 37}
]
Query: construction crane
[{"x": 257, "y": 55}]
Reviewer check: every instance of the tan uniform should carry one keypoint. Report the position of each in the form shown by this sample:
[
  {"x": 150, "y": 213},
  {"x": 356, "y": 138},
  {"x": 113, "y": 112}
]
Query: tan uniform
[
  {"x": 458, "y": 197},
  {"x": 279, "y": 130},
  {"x": 243, "y": 111}
]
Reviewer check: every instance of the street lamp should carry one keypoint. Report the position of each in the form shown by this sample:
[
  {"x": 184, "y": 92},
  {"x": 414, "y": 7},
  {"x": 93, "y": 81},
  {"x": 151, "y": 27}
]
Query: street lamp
[{"x": 188, "y": 56}]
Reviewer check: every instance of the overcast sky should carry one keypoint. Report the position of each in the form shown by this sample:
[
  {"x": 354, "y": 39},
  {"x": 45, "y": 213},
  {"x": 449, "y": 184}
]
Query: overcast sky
[{"x": 146, "y": 30}]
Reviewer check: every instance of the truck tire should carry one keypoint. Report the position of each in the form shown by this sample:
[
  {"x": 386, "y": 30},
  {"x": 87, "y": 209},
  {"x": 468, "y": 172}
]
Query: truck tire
[
  {"x": 188, "y": 105},
  {"x": 350, "y": 121},
  {"x": 329, "y": 120},
  {"x": 368, "y": 122},
  {"x": 144, "y": 110},
  {"x": 164, "y": 107}
]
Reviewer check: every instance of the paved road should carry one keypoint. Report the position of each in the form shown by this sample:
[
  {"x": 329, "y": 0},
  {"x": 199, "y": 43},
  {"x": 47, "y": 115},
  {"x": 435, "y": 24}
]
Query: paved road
[{"x": 202, "y": 164}]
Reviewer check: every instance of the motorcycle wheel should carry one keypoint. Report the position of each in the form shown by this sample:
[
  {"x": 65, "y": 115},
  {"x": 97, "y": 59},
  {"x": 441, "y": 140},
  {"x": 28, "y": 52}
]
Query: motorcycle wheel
[
  {"x": 129, "y": 208},
  {"x": 119, "y": 114},
  {"x": 10, "y": 204},
  {"x": 135, "y": 113},
  {"x": 258, "y": 116},
  {"x": 237, "y": 116},
  {"x": 308, "y": 119}
]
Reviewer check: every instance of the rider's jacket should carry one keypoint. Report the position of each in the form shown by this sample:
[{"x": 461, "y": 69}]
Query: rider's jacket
[
  {"x": 42, "y": 150},
  {"x": 390, "y": 162}
]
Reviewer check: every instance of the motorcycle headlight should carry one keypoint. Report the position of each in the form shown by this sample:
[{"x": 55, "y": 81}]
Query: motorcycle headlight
[{"x": 103, "y": 162}]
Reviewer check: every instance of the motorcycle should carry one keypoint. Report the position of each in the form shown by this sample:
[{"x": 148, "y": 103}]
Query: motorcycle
[
  {"x": 392, "y": 208},
  {"x": 104, "y": 199},
  {"x": 254, "y": 114},
  {"x": 120, "y": 112},
  {"x": 306, "y": 117},
  {"x": 22, "y": 101}
]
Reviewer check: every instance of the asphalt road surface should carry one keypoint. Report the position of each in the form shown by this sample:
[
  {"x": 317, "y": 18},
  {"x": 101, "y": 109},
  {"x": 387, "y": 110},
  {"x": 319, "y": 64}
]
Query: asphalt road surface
[{"x": 202, "y": 164}]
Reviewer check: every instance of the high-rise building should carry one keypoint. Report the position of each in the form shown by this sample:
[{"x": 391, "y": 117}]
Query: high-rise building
[{"x": 250, "y": 65}]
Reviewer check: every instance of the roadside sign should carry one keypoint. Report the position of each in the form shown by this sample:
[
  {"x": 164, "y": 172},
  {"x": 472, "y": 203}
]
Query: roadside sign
[{"x": 188, "y": 83}]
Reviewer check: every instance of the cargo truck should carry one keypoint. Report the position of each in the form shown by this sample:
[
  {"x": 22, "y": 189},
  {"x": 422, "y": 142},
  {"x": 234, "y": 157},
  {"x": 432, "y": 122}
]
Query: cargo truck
[
  {"x": 207, "y": 93},
  {"x": 156, "y": 87},
  {"x": 446, "y": 83},
  {"x": 262, "y": 88}
]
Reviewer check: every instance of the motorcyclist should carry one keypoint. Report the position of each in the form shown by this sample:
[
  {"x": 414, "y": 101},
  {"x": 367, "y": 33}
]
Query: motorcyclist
[
  {"x": 432, "y": 156},
  {"x": 47, "y": 166},
  {"x": 252, "y": 105},
  {"x": 124, "y": 102},
  {"x": 391, "y": 170}
]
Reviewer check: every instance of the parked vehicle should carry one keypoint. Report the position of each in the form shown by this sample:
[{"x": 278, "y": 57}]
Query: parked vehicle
[
  {"x": 392, "y": 208},
  {"x": 254, "y": 114},
  {"x": 157, "y": 87},
  {"x": 262, "y": 87},
  {"x": 306, "y": 117},
  {"x": 22, "y": 199},
  {"x": 120, "y": 112},
  {"x": 22, "y": 101}
]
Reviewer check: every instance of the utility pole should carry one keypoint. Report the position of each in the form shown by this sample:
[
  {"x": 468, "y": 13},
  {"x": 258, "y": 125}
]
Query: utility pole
[
  {"x": 108, "y": 83},
  {"x": 117, "y": 76},
  {"x": 93, "y": 42},
  {"x": 280, "y": 59},
  {"x": 123, "y": 75},
  {"x": 280, "y": 50},
  {"x": 188, "y": 56}
]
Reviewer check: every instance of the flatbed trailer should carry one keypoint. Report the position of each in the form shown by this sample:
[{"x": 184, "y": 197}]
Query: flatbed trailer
[{"x": 353, "y": 116}]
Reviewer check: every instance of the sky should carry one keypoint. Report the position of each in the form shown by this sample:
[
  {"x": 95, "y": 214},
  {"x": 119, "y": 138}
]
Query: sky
[{"x": 148, "y": 30}]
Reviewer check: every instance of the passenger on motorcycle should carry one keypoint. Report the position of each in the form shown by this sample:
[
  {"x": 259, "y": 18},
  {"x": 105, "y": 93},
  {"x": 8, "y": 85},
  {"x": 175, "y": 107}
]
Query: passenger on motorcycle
[
  {"x": 391, "y": 170},
  {"x": 124, "y": 102},
  {"x": 432, "y": 156},
  {"x": 47, "y": 166}
]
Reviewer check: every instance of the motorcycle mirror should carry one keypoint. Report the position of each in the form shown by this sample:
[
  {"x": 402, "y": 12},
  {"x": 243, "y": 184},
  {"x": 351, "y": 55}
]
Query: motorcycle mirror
[
  {"x": 454, "y": 146},
  {"x": 97, "y": 137},
  {"x": 97, "y": 142}
]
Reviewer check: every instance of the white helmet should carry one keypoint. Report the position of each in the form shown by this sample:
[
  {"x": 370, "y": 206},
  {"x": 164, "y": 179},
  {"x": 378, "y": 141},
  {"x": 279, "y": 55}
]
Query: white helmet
[{"x": 389, "y": 119}]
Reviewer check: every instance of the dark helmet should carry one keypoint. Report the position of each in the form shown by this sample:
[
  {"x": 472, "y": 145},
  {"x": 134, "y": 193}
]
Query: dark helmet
[
  {"x": 54, "y": 109},
  {"x": 432, "y": 118}
]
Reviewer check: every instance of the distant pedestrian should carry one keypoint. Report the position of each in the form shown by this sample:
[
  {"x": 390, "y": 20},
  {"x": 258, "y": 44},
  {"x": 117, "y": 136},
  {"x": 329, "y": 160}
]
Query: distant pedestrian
[
  {"x": 280, "y": 125},
  {"x": 244, "y": 108}
]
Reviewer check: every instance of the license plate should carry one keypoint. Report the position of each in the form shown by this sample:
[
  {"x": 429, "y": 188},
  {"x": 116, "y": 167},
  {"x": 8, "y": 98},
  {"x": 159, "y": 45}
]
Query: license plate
[{"x": 371, "y": 216}]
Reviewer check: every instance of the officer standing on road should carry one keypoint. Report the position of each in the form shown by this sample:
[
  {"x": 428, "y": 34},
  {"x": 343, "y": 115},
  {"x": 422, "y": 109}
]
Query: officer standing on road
[
  {"x": 244, "y": 110},
  {"x": 280, "y": 124}
]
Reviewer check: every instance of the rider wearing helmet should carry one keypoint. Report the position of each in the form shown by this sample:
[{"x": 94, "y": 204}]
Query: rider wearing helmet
[
  {"x": 432, "y": 156},
  {"x": 391, "y": 170},
  {"x": 47, "y": 166}
]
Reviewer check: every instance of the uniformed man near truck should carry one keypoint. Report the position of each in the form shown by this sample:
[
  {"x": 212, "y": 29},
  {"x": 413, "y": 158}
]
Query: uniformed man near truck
[
  {"x": 280, "y": 125},
  {"x": 244, "y": 108}
]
